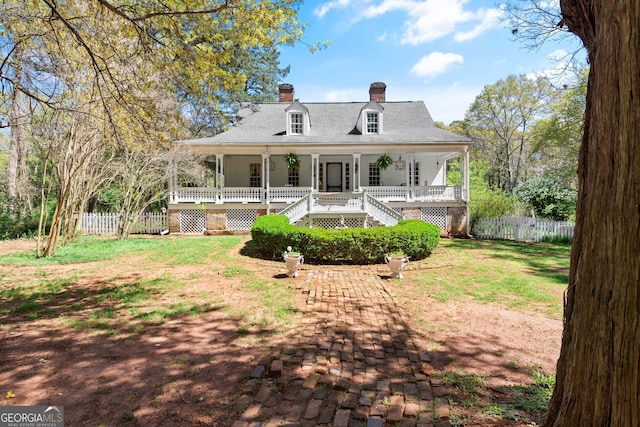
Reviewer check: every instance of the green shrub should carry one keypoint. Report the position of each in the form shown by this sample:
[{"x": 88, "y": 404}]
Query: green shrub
[
  {"x": 272, "y": 234},
  {"x": 549, "y": 196},
  {"x": 489, "y": 204}
]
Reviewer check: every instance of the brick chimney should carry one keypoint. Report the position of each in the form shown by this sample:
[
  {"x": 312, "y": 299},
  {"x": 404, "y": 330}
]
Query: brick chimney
[
  {"x": 377, "y": 92},
  {"x": 286, "y": 92}
]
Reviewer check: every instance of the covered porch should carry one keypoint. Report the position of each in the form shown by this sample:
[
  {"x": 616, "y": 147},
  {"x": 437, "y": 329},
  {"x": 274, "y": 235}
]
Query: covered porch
[{"x": 265, "y": 178}]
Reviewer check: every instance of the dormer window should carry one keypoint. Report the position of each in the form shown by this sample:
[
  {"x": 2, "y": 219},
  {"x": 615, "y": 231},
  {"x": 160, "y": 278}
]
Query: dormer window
[
  {"x": 372, "y": 122},
  {"x": 297, "y": 119}
]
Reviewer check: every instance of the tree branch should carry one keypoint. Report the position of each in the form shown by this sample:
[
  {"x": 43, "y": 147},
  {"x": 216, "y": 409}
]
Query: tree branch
[{"x": 169, "y": 12}]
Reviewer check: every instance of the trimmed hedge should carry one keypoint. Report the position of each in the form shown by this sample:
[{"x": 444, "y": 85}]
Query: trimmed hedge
[{"x": 272, "y": 234}]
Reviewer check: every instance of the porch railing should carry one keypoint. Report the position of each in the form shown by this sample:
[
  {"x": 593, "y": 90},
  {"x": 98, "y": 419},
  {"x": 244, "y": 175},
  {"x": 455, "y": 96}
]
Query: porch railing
[
  {"x": 437, "y": 192},
  {"x": 241, "y": 195},
  {"x": 194, "y": 195},
  {"x": 389, "y": 193},
  {"x": 287, "y": 194},
  {"x": 416, "y": 194},
  {"x": 292, "y": 194}
]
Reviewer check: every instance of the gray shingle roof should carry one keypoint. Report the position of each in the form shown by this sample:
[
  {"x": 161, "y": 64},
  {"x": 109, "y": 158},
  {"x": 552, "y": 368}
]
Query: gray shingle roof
[{"x": 333, "y": 123}]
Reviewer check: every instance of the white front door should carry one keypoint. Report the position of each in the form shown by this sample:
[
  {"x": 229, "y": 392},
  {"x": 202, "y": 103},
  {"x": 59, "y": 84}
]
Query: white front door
[{"x": 334, "y": 176}]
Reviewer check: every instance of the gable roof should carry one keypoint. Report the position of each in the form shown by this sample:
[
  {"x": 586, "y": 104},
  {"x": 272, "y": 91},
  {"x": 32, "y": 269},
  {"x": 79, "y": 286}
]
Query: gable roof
[{"x": 406, "y": 122}]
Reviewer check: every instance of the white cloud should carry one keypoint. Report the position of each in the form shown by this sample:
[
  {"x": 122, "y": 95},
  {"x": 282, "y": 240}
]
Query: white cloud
[
  {"x": 558, "y": 55},
  {"x": 426, "y": 20},
  {"x": 324, "y": 8},
  {"x": 382, "y": 37},
  {"x": 489, "y": 18},
  {"x": 436, "y": 63},
  {"x": 558, "y": 68},
  {"x": 429, "y": 20}
]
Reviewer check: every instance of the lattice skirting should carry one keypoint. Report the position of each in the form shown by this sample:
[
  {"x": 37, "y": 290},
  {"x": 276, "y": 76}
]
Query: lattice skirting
[
  {"x": 435, "y": 215},
  {"x": 193, "y": 221},
  {"x": 241, "y": 219},
  {"x": 329, "y": 223}
]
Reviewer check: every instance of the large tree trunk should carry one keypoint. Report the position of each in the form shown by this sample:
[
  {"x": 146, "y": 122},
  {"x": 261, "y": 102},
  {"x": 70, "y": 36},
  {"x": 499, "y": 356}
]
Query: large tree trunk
[{"x": 598, "y": 380}]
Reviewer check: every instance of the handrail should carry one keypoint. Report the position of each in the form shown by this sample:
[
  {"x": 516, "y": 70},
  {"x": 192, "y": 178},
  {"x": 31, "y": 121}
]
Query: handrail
[
  {"x": 296, "y": 211},
  {"x": 313, "y": 203},
  {"x": 380, "y": 211}
]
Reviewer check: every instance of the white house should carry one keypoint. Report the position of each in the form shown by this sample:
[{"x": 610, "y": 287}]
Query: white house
[{"x": 339, "y": 181}]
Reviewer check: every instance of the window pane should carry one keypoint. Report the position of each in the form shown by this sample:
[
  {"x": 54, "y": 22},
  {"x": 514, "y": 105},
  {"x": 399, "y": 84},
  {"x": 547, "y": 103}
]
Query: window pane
[
  {"x": 294, "y": 177},
  {"x": 372, "y": 122},
  {"x": 296, "y": 123},
  {"x": 374, "y": 175},
  {"x": 255, "y": 180}
]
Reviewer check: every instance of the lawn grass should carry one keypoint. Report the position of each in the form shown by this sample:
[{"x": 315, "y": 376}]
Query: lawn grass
[
  {"x": 173, "y": 252},
  {"x": 471, "y": 395},
  {"x": 516, "y": 275},
  {"x": 121, "y": 305}
]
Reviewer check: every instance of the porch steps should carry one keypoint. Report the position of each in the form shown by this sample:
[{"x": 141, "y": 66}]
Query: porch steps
[{"x": 327, "y": 208}]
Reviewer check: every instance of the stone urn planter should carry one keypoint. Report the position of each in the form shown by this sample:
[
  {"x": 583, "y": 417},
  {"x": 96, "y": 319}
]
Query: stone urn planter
[
  {"x": 396, "y": 264},
  {"x": 293, "y": 261}
]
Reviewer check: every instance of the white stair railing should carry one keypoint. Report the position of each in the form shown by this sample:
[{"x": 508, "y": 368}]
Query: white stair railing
[
  {"x": 296, "y": 211},
  {"x": 380, "y": 211},
  {"x": 340, "y": 203}
]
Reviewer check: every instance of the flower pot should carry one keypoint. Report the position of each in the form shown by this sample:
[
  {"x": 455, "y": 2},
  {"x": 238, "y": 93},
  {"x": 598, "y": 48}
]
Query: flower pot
[
  {"x": 293, "y": 262},
  {"x": 396, "y": 265}
]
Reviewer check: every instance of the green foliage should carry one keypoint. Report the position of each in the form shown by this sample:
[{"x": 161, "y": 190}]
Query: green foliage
[
  {"x": 557, "y": 138},
  {"x": 89, "y": 249},
  {"x": 501, "y": 121},
  {"x": 291, "y": 160},
  {"x": 484, "y": 202},
  {"x": 510, "y": 274},
  {"x": 489, "y": 204},
  {"x": 549, "y": 197},
  {"x": 273, "y": 233},
  {"x": 467, "y": 383},
  {"x": 535, "y": 398},
  {"x": 474, "y": 394},
  {"x": 122, "y": 79},
  {"x": 18, "y": 223},
  {"x": 384, "y": 161}
]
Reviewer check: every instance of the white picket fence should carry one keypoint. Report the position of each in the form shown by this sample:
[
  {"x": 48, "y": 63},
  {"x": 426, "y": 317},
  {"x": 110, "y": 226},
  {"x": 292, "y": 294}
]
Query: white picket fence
[
  {"x": 108, "y": 223},
  {"x": 523, "y": 229}
]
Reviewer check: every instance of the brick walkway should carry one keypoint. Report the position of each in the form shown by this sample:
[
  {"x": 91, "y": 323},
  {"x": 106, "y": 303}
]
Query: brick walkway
[{"x": 355, "y": 362}]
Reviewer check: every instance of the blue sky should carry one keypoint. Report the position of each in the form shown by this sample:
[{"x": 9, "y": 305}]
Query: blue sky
[{"x": 442, "y": 52}]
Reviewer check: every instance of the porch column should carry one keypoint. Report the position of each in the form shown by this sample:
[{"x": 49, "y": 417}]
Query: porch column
[
  {"x": 356, "y": 172},
  {"x": 219, "y": 177},
  {"x": 466, "y": 187},
  {"x": 464, "y": 175},
  {"x": 315, "y": 169},
  {"x": 264, "y": 177},
  {"x": 409, "y": 175},
  {"x": 173, "y": 182}
]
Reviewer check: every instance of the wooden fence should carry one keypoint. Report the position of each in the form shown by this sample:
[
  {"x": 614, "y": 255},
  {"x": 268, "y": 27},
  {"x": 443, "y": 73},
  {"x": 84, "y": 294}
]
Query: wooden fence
[
  {"x": 108, "y": 223},
  {"x": 523, "y": 229}
]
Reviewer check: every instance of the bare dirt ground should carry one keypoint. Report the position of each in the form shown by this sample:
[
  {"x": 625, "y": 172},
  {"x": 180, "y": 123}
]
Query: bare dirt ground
[{"x": 188, "y": 370}]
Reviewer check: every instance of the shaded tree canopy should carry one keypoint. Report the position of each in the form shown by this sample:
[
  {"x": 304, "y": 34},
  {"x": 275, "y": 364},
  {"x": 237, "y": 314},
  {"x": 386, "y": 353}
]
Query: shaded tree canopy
[
  {"x": 128, "y": 48},
  {"x": 138, "y": 74}
]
